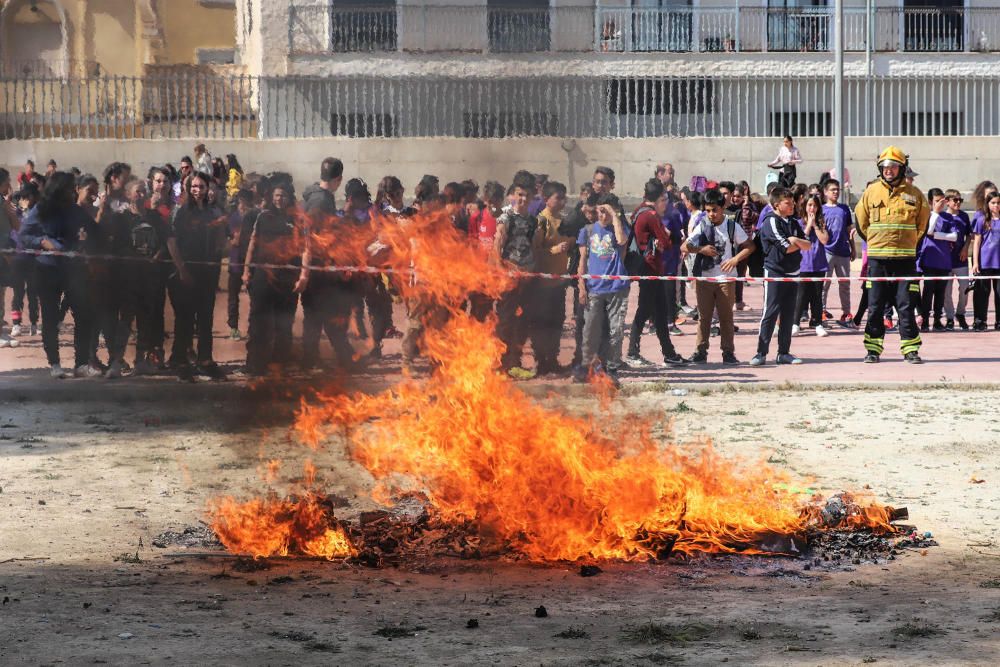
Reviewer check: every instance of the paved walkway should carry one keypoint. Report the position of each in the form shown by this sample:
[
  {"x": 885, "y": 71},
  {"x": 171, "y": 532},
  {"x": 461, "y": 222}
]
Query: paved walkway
[{"x": 951, "y": 357}]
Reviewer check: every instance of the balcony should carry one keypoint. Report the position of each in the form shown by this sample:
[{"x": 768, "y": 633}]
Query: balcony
[{"x": 331, "y": 28}]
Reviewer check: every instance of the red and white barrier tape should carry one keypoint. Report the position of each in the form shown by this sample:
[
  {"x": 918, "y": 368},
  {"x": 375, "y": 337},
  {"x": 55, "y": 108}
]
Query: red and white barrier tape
[{"x": 514, "y": 274}]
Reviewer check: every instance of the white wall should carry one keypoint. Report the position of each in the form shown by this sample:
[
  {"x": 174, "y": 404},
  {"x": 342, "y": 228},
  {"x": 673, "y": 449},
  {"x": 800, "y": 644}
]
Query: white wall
[{"x": 942, "y": 162}]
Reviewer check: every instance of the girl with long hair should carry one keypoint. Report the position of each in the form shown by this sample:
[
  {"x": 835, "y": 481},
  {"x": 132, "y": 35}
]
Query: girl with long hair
[
  {"x": 200, "y": 231},
  {"x": 814, "y": 264},
  {"x": 57, "y": 223},
  {"x": 986, "y": 261},
  {"x": 277, "y": 238}
]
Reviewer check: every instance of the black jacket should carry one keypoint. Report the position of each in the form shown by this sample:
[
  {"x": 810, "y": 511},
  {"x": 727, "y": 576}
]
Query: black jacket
[{"x": 774, "y": 235}]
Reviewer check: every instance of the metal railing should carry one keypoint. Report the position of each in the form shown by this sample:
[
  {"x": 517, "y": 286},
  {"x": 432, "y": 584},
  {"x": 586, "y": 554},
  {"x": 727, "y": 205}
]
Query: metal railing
[
  {"x": 218, "y": 107},
  {"x": 327, "y": 28},
  {"x": 150, "y": 107}
]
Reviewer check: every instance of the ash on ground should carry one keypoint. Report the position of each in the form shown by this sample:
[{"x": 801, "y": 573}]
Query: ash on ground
[{"x": 190, "y": 537}]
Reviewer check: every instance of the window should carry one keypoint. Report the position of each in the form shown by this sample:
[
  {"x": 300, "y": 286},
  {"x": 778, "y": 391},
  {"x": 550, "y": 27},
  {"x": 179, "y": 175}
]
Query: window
[
  {"x": 518, "y": 26},
  {"x": 933, "y": 25},
  {"x": 509, "y": 124},
  {"x": 801, "y": 123},
  {"x": 658, "y": 96},
  {"x": 932, "y": 123},
  {"x": 798, "y": 25},
  {"x": 215, "y": 56},
  {"x": 362, "y": 125},
  {"x": 357, "y": 25}
]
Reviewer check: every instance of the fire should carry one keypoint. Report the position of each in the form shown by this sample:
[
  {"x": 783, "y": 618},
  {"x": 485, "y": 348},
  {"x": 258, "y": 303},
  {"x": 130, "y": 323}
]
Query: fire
[
  {"x": 273, "y": 526},
  {"x": 531, "y": 480}
]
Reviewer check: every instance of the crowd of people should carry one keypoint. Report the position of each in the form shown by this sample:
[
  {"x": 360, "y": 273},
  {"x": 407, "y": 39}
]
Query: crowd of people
[{"x": 73, "y": 242}]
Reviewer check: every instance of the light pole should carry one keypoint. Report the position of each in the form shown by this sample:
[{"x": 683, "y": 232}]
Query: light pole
[{"x": 838, "y": 91}]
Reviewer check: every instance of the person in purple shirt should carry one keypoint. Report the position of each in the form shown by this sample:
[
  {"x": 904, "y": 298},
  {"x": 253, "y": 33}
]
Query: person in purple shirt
[
  {"x": 840, "y": 249},
  {"x": 670, "y": 259},
  {"x": 934, "y": 258},
  {"x": 814, "y": 265},
  {"x": 986, "y": 262},
  {"x": 959, "y": 262}
]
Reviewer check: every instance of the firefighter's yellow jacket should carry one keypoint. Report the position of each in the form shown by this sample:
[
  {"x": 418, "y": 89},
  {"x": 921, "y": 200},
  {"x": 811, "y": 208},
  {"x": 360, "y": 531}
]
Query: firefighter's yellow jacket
[{"x": 892, "y": 219}]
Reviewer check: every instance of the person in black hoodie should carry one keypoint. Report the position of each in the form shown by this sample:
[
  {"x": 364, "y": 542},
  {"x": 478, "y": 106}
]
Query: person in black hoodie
[
  {"x": 201, "y": 233},
  {"x": 783, "y": 243},
  {"x": 58, "y": 223}
]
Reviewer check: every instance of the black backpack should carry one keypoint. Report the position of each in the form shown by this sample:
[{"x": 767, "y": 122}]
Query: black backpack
[
  {"x": 635, "y": 260},
  {"x": 701, "y": 262}
]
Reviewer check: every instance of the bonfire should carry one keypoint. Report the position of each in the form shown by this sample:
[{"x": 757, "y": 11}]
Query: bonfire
[{"x": 467, "y": 464}]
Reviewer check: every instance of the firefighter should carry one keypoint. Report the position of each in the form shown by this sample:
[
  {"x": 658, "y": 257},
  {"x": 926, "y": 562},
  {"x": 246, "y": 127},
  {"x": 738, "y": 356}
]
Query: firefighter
[{"x": 892, "y": 218}]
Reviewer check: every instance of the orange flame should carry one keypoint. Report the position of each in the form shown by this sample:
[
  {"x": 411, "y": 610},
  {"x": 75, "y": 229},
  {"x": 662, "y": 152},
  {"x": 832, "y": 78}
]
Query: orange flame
[{"x": 539, "y": 482}]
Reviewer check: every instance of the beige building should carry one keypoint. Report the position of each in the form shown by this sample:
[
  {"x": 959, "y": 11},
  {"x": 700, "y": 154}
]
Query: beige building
[{"x": 113, "y": 37}]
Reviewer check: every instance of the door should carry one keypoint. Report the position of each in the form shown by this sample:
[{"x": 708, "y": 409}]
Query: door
[
  {"x": 933, "y": 25},
  {"x": 662, "y": 25}
]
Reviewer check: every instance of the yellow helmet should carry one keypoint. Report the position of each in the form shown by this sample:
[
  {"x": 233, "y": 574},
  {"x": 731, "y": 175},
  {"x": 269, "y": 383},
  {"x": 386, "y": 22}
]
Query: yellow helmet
[{"x": 892, "y": 154}]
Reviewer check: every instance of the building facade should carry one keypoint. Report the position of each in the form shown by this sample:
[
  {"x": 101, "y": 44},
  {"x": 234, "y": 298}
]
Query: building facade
[
  {"x": 88, "y": 38},
  {"x": 614, "y": 68}
]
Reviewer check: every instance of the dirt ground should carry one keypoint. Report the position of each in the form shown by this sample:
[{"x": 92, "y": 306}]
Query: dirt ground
[{"x": 89, "y": 481}]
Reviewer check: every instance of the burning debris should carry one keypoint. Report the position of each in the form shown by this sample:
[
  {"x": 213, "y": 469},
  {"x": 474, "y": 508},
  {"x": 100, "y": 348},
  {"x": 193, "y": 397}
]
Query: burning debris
[{"x": 499, "y": 474}]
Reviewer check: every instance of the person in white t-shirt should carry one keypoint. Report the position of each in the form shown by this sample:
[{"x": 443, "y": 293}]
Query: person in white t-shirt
[{"x": 718, "y": 244}]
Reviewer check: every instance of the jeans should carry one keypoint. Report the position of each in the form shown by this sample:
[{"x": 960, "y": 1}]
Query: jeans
[
  {"x": 605, "y": 313},
  {"x": 950, "y": 307},
  {"x": 652, "y": 306},
  {"x": 779, "y": 308},
  {"x": 841, "y": 266}
]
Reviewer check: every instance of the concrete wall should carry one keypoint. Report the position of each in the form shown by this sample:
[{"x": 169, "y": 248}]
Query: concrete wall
[{"x": 941, "y": 162}]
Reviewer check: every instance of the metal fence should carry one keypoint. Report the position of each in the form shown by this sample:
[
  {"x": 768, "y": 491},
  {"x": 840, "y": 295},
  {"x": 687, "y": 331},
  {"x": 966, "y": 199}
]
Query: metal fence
[
  {"x": 329, "y": 28},
  {"x": 220, "y": 107}
]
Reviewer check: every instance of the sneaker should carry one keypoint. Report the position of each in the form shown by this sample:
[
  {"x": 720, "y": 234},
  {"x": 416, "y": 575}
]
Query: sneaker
[
  {"x": 788, "y": 359},
  {"x": 821, "y": 332},
  {"x": 796, "y": 329},
  {"x": 579, "y": 374},
  {"x": 698, "y": 358},
  {"x": 674, "y": 330},
  {"x": 848, "y": 322},
  {"x": 827, "y": 315},
  {"x": 949, "y": 325},
  {"x": 87, "y": 371},
  {"x": 979, "y": 326},
  {"x": 114, "y": 370},
  {"x": 871, "y": 358},
  {"x": 962, "y": 323},
  {"x": 519, "y": 373},
  {"x": 912, "y": 358},
  {"x": 938, "y": 325},
  {"x": 688, "y": 310},
  {"x": 15, "y": 331},
  {"x": 888, "y": 323},
  {"x": 57, "y": 371},
  {"x": 34, "y": 329},
  {"x": 393, "y": 332},
  {"x": 741, "y": 306},
  {"x": 758, "y": 360},
  {"x": 6, "y": 342},
  {"x": 185, "y": 373},
  {"x": 674, "y": 360},
  {"x": 730, "y": 359},
  {"x": 234, "y": 334},
  {"x": 212, "y": 370},
  {"x": 714, "y": 331},
  {"x": 924, "y": 327},
  {"x": 636, "y": 361}
]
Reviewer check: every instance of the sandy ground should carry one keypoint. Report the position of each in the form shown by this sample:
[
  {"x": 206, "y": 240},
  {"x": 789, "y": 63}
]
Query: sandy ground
[{"x": 87, "y": 484}]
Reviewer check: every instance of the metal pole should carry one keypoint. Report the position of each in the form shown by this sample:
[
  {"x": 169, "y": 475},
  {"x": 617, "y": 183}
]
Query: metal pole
[
  {"x": 838, "y": 93},
  {"x": 868, "y": 37}
]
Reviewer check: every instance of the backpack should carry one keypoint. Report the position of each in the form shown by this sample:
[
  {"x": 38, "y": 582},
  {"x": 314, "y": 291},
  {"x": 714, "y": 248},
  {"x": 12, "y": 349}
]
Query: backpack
[
  {"x": 635, "y": 260},
  {"x": 701, "y": 262},
  {"x": 698, "y": 184}
]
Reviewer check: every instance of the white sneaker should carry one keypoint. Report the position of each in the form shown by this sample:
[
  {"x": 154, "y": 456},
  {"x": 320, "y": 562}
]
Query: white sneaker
[
  {"x": 820, "y": 331},
  {"x": 86, "y": 371},
  {"x": 15, "y": 330},
  {"x": 56, "y": 371},
  {"x": 7, "y": 341},
  {"x": 796, "y": 329}
]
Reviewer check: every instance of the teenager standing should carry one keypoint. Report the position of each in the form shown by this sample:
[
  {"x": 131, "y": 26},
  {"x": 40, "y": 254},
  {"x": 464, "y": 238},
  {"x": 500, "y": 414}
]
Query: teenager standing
[
  {"x": 986, "y": 262},
  {"x": 814, "y": 265}
]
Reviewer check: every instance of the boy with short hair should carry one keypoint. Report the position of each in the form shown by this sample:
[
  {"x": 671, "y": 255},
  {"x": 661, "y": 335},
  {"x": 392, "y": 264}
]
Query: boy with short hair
[
  {"x": 550, "y": 294},
  {"x": 602, "y": 252},
  {"x": 718, "y": 245},
  {"x": 840, "y": 250},
  {"x": 959, "y": 262},
  {"x": 783, "y": 242},
  {"x": 516, "y": 243}
]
